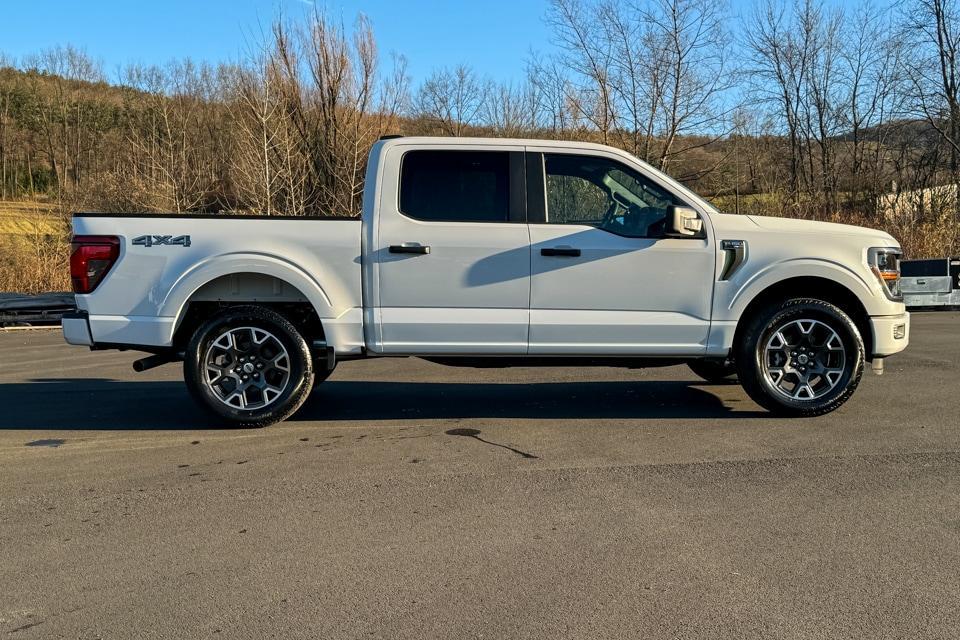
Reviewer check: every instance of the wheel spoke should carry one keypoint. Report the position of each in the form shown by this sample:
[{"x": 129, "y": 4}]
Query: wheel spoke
[
  {"x": 270, "y": 392},
  {"x": 281, "y": 362},
  {"x": 804, "y": 392},
  {"x": 217, "y": 370},
  {"x": 832, "y": 375},
  {"x": 237, "y": 396}
]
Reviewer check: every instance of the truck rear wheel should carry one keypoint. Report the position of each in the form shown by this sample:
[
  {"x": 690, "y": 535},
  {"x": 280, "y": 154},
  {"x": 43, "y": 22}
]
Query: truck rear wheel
[
  {"x": 248, "y": 366},
  {"x": 801, "y": 357}
]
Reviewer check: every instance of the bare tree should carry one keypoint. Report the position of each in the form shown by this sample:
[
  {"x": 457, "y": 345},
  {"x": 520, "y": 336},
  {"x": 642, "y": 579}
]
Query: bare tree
[
  {"x": 638, "y": 74},
  {"x": 452, "y": 99},
  {"x": 550, "y": 88},
  {"x": 647, "y": 73},
  {"x": 697, "y": 67},
  {"x": 177, "y": 133},
  {"x": 510, "y": 111},
  {"x": 334, "y": 105},
  {"x": 872, "y": 60},
  {"x": 6, "y": 100},
  {"x": 932, "y": 27},
  {"x": 65, "y": 111},
  {"x": 588, "y": 53},
  {"x": 258, "y": 161}
]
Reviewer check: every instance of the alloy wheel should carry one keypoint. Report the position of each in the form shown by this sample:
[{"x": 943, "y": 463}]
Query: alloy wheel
[
  {"x": 246, "y": 368},
  {"x": 804, "y": 359}
]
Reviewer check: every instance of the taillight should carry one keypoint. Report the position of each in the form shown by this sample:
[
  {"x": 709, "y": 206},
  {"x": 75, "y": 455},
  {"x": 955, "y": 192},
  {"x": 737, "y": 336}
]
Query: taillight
[{"x": 91, "y": 259}]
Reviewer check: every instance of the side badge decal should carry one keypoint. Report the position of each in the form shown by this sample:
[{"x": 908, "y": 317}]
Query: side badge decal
[{"x": 167, "y": 241}]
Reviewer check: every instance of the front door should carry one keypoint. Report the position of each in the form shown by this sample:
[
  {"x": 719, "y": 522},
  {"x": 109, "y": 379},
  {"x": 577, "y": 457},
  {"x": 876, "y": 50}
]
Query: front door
[
  {"x": 605, "y": 280},
  {"x": 453, "y": 254}
]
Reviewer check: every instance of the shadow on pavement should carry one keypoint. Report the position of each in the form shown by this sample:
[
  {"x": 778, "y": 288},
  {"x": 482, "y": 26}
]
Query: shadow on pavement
[{"x": 102, "y": 404}]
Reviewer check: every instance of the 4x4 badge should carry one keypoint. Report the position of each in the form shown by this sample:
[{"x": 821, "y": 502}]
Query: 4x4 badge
[{"x": 153, "y": 241}]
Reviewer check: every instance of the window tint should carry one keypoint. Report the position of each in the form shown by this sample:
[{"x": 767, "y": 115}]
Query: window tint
[
  {"x": 455, "y": 186},
  {"x": 605, "y": 194}
]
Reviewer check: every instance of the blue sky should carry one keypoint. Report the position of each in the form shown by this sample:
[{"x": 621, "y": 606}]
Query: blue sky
[{"x": 493, "y": 36}]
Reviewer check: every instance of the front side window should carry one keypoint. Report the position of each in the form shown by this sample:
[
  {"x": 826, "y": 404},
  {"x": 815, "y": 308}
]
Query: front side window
[
  {"x": 455, "y": 186},
  {"x": 603, "y": 193}
]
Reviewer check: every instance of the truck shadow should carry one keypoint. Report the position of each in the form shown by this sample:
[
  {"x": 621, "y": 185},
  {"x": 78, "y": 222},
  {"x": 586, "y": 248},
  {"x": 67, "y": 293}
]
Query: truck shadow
[
  {"x": 113, "y": 405},
  {"x": 648, "y": 399}
]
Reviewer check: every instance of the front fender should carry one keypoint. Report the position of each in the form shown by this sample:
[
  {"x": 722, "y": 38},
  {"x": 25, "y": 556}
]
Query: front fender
[
  {"x": 740, "y": 293},
  {"x": 732, "y": 297}
]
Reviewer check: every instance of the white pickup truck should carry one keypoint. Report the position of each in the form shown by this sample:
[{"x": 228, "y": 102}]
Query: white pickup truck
[{"x": 488, "y": 252}]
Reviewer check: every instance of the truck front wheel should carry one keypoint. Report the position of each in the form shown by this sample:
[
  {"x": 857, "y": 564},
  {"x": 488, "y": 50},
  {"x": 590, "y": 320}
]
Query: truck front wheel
[
  {"x": 248, "y": 366},
  {"x": 800, "y": 357}
]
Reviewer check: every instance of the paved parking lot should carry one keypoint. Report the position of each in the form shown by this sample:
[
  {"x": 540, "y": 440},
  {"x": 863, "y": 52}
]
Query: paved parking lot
[{"x": 412, "y": 500}]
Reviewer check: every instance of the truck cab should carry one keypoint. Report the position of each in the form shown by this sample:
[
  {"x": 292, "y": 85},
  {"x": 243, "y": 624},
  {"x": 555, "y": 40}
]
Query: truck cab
[{"x": 488, "y": 252}]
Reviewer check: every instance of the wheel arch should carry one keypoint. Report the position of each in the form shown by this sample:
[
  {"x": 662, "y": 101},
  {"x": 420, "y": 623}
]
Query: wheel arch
[
  {"x": 215, "y": 267},
  {"x": 250, "y": 287},
  {"x": 818, "y": 287}
]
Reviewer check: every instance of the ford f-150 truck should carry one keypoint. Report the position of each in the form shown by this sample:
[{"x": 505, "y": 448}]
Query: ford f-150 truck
[{"x": 488, "y": 252}]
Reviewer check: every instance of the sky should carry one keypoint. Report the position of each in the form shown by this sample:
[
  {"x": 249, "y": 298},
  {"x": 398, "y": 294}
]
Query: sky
[{"x": 492, "y": 36}]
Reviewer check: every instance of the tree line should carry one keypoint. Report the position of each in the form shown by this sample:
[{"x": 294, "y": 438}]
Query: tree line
[{"x": 794, "y": 107}]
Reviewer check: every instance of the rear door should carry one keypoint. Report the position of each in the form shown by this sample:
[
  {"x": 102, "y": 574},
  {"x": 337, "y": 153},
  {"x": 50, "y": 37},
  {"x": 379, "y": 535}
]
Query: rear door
[
  {"x": 605, "y": 279},
  {"x": 453, "y": 252}
]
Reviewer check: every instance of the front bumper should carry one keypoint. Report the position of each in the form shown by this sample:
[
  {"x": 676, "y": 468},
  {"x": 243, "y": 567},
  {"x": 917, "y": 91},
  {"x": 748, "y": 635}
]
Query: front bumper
[
  {"x": 76, "y": 329},
  {"x": 891, "y": 334}
]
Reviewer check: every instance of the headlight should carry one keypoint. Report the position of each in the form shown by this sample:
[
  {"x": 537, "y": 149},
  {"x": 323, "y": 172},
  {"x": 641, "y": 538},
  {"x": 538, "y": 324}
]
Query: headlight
[{"x": 885, "y": 264}]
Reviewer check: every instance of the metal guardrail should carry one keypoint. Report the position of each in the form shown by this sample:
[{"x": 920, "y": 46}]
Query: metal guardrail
[{"x": 17, "y": 309}]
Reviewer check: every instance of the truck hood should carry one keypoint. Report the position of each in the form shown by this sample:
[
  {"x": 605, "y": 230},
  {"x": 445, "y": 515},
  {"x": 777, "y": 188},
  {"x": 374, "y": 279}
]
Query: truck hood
[{"x": 792, "y": 225}]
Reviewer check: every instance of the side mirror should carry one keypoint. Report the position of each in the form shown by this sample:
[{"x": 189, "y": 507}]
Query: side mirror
[{"x": 683, "y": 222}]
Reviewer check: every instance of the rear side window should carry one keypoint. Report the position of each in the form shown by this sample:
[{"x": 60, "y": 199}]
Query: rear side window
[{"x": 455, "y": 186}]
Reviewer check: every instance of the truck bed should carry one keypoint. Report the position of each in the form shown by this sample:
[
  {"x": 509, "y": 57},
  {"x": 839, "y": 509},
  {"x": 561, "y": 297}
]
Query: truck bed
[{"x": 166, "y": 258}]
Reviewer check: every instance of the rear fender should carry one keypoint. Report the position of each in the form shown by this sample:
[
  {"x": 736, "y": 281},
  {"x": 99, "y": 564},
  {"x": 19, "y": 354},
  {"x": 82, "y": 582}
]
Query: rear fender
[{"x": 215, "y": 267}]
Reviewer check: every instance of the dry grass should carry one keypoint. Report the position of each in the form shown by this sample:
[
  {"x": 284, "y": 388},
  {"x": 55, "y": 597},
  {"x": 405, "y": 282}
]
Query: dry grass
[
  {"x": 930, "y": 238},
  {"x": 34, "y": 248},
  {"x": 28, "y": 217}
]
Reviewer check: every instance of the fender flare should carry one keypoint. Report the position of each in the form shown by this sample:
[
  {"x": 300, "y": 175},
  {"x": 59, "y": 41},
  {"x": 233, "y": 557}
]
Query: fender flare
[
  {"x": 213, "y": 267},
  {"x": 781, "y": 271}
]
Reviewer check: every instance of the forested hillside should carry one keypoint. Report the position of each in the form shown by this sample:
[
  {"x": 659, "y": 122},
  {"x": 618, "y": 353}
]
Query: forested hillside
[{"x": 787, "y": 109}]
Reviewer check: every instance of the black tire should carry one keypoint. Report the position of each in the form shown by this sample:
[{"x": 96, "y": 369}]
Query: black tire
[
  {"x": 266, "y": 363},
  {"x": 757, "y": 367},
  {"x": 714, "y": 371}
]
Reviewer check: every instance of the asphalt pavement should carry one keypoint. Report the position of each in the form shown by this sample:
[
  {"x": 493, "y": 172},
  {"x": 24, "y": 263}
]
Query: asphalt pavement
[{"x": 413, "y": 500}]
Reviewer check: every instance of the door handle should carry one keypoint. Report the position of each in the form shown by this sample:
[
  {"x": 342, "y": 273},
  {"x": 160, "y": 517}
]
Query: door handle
[
  {"x": 410, "y": 248},
  {"x": 560, "y": 251}
]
